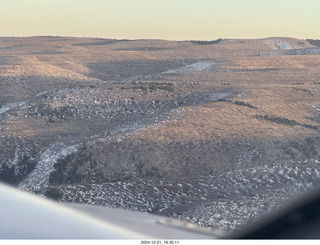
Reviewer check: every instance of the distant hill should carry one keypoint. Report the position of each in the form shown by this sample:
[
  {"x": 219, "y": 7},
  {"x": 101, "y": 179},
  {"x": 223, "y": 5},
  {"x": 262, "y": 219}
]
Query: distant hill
[{"x": 204, "y": 131}]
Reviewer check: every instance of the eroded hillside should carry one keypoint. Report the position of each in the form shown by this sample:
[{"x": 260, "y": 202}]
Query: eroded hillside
[{"x": 208, "y": 132}]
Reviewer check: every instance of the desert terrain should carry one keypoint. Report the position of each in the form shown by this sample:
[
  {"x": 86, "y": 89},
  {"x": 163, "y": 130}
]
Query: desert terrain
[{"x": 217, "y": 133}]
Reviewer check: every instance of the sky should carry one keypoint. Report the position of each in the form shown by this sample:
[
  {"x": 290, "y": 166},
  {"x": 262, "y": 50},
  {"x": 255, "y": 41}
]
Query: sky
[{"x": 161, "y": 19}]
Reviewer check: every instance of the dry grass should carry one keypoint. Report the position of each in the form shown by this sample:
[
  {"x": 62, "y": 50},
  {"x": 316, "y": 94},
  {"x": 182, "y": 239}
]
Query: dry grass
[{"x": 263, "y": 87}]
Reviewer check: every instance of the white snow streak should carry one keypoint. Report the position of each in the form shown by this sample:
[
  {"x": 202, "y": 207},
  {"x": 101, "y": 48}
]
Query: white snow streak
[
  {"x": 38, "y": 180},
  {"x": 195, "y": 67}
]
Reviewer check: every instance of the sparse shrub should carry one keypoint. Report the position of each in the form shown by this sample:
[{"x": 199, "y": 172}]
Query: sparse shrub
[
  {"x": 152, "y": 172},
  {"x": 57, "y": 175},
  {"x": 63, "y": 113},
  {"x": 140, "y": 87},
  {"x": 289, "y": 152},
  {"x": 286, "y": 121},
  {"x": 241, "y": 103},
  {"x": 161, "y": 86},
  {"x": 25, "y": 165},
  {"x": 310, "y": 126},
  {"x": 314, "y": 42},
  {"x": 308, "y": 147},
  {"x": 139, "y": 167},
  {"x": 15, "y": 173},
  {"x": 279, "y": 120},
  {"x": 7, "y": 174},
  {"x": 195, "y": 42},
  {"x": 181, "y": 103},
  {"x": 310, "y": 118},
  {"x": 53, "y": 193},
  {"x": 151, "y": 86},
  {"x": 223, "y": 100}
]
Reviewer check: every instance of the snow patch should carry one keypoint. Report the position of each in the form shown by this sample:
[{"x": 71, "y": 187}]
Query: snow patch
[
  {"x": 280, "y": 44},
  {"x": 10, "y": 106},
  {"x": 195, "y": 67},
  {"x": 38, "y": 180}
]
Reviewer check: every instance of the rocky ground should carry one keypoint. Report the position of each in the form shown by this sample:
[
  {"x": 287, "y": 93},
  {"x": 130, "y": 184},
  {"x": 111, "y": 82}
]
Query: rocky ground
[{"x": 216, "y": 133}]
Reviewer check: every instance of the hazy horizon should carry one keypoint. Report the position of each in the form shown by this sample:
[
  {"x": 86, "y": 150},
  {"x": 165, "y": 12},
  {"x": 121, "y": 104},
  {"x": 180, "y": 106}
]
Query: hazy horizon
[
  {"x": 137, "y": 39},
  {"x": 169, "y": 20}
]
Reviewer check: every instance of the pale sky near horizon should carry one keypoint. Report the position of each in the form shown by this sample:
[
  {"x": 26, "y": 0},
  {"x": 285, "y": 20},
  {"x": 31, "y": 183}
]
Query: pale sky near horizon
[{"x": 161, "y": 19}]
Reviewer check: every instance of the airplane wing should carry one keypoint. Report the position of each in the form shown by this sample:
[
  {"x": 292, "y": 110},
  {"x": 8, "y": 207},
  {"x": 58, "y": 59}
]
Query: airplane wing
[{"x": 26, "y": 216}]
